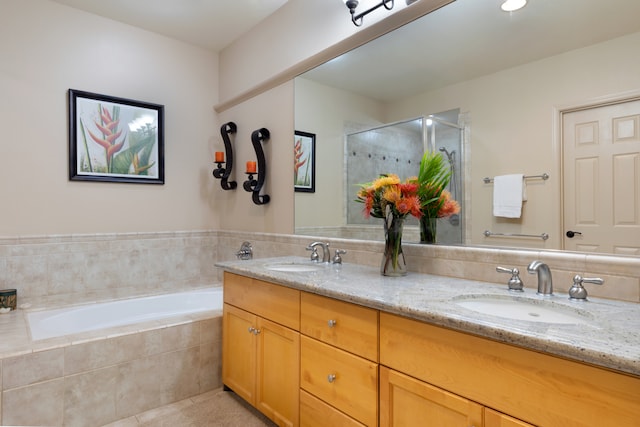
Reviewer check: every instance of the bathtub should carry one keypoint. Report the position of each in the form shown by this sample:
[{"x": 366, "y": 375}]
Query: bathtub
[{"x": 76, "y": 319}]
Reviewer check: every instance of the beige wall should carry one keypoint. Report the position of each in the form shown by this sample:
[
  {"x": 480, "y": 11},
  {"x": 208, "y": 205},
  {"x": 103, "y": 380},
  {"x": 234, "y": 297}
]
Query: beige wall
[
  {"x": 272, "y": 110},
  {"x": 47, "y": 48},
  {"x": 326, "y": 112}
]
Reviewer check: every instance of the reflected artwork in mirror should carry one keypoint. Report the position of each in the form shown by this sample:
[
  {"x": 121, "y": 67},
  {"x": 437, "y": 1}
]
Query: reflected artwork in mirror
[{"x": 508, "y": 78}]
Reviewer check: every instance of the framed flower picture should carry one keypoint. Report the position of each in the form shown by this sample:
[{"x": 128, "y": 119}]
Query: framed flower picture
[
  {"x": 304, "y": 162},
  {"x": 115, "y": 139}
]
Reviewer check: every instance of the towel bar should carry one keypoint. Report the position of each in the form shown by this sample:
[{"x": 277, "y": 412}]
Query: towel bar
[
  {"x": 543, "y": 176},
  {"x": 543, "y": 236}
]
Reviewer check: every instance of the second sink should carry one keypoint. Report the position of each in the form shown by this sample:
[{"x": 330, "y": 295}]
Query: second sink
[
  {"x": 532, "y": 310},
  {"x": 295, "y": 267}
]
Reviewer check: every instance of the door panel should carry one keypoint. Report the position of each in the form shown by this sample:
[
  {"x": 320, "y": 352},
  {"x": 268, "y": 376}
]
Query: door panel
[{"x": 601, "y": 148}]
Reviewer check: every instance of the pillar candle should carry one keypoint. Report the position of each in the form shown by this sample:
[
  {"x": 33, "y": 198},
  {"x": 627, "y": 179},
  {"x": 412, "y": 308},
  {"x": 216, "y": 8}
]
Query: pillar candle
[
  {"x": 219, "y": 157},
  {"x": 251, "y": 167}
]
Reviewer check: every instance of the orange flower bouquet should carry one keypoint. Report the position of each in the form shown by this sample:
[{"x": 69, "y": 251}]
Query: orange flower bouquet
[{"x": 392, "y": 200}]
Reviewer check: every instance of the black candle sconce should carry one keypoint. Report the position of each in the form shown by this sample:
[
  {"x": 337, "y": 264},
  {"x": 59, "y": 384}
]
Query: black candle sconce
[
  {"x": 251, "y": 185},
  {"x": 222, "y": 172}
]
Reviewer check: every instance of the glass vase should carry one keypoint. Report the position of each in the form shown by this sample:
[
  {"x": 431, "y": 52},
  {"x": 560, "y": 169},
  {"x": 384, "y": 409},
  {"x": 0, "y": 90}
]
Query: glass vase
[
  {"x": 428, "y": 229},
  {"x": 393, "y": 262}
]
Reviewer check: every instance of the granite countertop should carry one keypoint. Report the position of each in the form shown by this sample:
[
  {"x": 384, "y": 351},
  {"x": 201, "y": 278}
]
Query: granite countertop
[{"x": 608, "y": 336}]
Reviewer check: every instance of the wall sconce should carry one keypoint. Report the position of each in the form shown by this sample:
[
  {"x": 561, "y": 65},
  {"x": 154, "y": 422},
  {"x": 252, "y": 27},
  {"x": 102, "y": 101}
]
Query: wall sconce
[
  {"x": 251, "y": 185},
  {"x": 221, "y": 172},
  {"x": 357, "y": 19}
]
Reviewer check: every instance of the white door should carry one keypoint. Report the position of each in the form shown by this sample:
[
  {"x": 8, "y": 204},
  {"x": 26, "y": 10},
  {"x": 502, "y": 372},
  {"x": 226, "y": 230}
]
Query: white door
[{"x": 602, "y": 179}]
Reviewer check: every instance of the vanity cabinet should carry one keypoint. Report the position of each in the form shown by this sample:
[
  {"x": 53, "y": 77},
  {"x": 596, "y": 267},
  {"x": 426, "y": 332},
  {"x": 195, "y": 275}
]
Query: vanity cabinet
[
  {"x": 261, "y": 346},
  {"x": 309, "y": 360},
  {"x": 338, "y": 363},
  {"x": 463, "y": 374}
]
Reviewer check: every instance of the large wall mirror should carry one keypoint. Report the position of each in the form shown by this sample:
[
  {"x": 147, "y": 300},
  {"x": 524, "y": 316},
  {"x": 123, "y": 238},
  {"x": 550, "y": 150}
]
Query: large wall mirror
[{"x": 508, "y": 81}]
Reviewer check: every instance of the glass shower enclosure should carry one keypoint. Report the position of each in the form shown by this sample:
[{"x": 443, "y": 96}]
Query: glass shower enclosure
[{"x": 398, "y": 148}]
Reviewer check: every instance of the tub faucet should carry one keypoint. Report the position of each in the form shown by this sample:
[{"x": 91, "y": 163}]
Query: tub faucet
[
  {"x": 545, "y": 284},
  {"x": 326, "y": 254}
]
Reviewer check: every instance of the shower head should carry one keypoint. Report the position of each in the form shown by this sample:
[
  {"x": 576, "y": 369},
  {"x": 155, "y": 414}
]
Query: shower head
[{"x": 450, "y": 155}]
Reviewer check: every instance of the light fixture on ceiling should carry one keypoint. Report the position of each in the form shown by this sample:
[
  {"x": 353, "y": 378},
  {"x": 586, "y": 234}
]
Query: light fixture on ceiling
[
  {"x": 357, "y": 19},
  {"x": 512, "y": 5}
]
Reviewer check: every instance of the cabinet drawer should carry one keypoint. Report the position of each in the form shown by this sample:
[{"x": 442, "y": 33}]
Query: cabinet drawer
[
  {"x": 315, "y": 413},
  {"x": 341, "y": 379},
  {"x": 348, "y": 326},
  {"x": 274, "y": 302}
]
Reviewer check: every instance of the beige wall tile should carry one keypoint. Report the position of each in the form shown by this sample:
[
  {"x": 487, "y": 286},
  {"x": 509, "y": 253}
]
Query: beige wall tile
[
  {"x": 171, "y": 338},
  {"x": 211, "y": 330},
  {"x": 210, "y": 366},
  {"x": 89, "y": 398},
  {"x": 140, "y": 388},
  {"x": 32, "y": 368},
  {"x": 101, "y": 353},
  {"x": 35, "y": 405}
]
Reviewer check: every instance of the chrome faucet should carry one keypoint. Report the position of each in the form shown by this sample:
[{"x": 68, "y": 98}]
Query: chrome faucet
[
  {"x": 326, "y": 253},
  {"x": 545, "y": 284}
]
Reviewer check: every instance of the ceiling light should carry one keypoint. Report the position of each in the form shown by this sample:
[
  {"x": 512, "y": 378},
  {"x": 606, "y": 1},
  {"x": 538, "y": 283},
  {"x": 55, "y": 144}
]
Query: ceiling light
[
  {"x": 511, "y": 5},
  {"x": 357, "y": 19}
]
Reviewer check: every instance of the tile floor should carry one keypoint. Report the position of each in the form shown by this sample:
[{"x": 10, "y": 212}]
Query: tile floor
[{"x": 216, "y": 408}]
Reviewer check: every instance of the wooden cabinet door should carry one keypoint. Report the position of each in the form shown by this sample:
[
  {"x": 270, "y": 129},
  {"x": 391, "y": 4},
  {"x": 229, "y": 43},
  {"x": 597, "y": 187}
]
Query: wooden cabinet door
[
  {"x": 316, "y": 413},
  {"x": 407, "y": 402},
  {"x": 498, "y": 419},
  {"x": 278, "y": 372},
  {"x": 239, "y": 352}
]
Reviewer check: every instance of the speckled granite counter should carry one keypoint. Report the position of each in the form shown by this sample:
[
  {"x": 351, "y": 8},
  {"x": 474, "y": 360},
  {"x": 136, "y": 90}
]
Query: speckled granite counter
[{"x": 609, "y": 337}]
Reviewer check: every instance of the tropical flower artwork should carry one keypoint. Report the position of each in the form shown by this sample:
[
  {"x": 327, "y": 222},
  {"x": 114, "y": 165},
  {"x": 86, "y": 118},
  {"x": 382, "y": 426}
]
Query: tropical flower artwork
[
  {"x": 303, "y": 162},
  {"x": 116, "y": 140}
]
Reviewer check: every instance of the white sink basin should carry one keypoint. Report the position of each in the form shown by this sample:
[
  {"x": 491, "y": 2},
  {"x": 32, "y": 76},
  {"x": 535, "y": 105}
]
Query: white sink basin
[
  {"x": 295, "y": 267},
  {"x": 523, "y": 308}
]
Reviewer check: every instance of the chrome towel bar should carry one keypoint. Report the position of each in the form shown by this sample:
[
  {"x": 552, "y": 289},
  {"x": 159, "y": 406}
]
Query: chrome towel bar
[
  {"x": 543, "y": 236},
  {"x": 543, "y": 176}
]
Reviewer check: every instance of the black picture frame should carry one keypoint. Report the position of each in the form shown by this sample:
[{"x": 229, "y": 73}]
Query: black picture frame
[
  {"x": 304, "y": 149},
  {"x": 115, "y": 139}
]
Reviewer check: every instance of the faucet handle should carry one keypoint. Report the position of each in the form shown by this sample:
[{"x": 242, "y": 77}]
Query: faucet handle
[
  {"x": 515, "y": 283},
  {"x": 337, "y": 259},
  {"x": 577, "y": 292},
  {"x": 245, "y": 252},
  {"x": 314, "y": 253}
]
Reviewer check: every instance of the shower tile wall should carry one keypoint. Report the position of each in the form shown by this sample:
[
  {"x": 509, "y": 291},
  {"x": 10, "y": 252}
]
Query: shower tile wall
[{"x": 390, "y": 149}]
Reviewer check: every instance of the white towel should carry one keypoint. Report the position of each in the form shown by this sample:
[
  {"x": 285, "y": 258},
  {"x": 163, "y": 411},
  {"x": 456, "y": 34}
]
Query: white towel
[{"x": 509, "y": 192}]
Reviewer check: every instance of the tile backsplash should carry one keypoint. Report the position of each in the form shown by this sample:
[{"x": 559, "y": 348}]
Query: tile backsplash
[{"x": 59, "y": 269}]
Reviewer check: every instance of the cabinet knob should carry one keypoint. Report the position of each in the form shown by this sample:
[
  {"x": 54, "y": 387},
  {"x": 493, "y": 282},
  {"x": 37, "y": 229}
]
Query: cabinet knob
[
  {"x": 252, "y": 330},
  {"x": 331, "y": 323},
  {"x": 331, "y": 377}
]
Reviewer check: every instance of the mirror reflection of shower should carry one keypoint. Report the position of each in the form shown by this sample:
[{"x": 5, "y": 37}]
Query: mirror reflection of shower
[
  {"x": 445, "y": 135},
  {"x": 398, "y": 148}
]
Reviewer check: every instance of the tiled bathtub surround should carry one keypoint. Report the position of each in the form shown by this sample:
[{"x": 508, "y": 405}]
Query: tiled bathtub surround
[
  {"x": 98, "y": 377},
  {"x": 95, "y": 381}
]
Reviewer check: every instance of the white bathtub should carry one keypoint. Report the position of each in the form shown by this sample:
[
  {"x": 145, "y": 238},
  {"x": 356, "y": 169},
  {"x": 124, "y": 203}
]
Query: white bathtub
[{"x": 90, "y": 317}]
